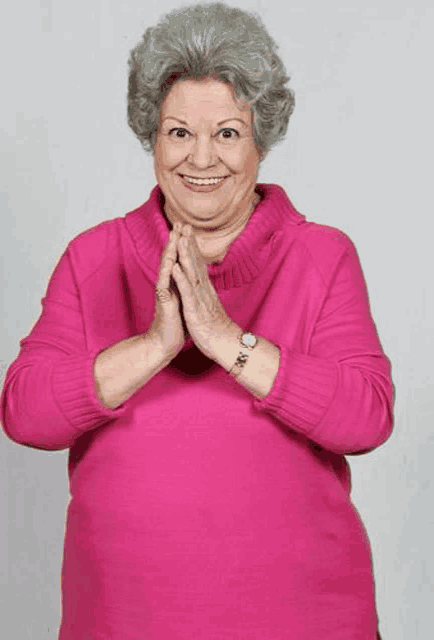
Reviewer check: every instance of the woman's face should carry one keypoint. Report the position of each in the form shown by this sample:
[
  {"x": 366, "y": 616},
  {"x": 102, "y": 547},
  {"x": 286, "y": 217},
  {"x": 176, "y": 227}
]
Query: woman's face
[{"x": 203, "y": 133}]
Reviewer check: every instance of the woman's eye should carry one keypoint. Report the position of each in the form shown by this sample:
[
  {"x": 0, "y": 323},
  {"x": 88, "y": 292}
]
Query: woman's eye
[
  {"x": 178, "y": 130},
  {"x": 230, "y": 131},
  {"x": 181, "y": 133}
]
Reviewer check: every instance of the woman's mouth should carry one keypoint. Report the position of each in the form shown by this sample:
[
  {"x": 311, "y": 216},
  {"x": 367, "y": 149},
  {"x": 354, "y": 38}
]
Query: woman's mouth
[{"x": 202, "y": 184}]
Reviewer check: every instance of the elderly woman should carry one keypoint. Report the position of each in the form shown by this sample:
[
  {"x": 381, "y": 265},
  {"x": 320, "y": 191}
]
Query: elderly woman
[{"x": 209, "y": 359}]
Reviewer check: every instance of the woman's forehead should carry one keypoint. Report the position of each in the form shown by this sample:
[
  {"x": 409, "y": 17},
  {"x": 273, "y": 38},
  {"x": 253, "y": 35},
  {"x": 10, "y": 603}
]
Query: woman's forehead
[{"x": 212, "y": 98}]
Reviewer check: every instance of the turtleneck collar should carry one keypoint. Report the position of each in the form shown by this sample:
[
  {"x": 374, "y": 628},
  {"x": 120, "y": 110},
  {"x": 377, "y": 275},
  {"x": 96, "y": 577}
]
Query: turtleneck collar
[{"x": 246, "y": 255}]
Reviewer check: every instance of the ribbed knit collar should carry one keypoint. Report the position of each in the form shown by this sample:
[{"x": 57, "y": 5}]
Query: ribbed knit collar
[{"x": 246, "y": 256}]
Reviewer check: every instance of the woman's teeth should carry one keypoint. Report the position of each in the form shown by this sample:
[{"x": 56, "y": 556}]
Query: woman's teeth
[{"x": 203, "y": 182}]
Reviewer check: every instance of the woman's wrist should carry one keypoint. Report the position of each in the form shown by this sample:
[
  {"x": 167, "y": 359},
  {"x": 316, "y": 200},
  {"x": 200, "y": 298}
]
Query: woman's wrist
[
  {"x": 225, "y": 347},
  {"x": 260, "y": 370}
]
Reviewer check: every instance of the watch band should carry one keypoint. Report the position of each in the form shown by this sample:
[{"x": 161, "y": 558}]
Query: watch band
[{"x": 248, "y": 342}]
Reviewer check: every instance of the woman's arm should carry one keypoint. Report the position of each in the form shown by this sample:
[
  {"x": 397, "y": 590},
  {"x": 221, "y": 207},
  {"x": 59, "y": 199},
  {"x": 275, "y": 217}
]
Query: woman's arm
[
  {"x": 340, "y": 394},
  {"x": 124, "y": 368},
  {"x": 57, "y": 389}
]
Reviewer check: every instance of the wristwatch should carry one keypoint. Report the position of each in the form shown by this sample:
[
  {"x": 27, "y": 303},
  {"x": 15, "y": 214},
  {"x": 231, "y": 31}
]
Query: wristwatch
[{"x": 248, "y": 342}]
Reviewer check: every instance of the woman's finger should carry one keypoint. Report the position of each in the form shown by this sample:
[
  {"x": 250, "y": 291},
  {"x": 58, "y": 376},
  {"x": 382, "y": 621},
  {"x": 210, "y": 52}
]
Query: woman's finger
[
  {"x": 200, "y": 263},
  {"x": 167, "y": 261},
  {"x": 190, "y": 258},
  {"x": 165, "y": 267},
  {"x": 183, "y": 284},
  {"x": 186, "y": 259}
]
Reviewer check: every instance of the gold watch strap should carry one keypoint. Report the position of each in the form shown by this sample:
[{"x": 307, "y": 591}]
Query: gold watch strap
[{"x": 243, "y": 356}]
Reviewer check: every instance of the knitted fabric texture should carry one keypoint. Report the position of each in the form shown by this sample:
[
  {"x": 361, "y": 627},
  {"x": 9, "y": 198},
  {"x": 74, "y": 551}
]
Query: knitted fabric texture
[{"x": 198, "y": 511}]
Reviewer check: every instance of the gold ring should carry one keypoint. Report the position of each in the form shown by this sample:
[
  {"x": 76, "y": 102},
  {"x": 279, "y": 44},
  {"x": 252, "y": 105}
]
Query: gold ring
[{"x": 163, "y": 295}]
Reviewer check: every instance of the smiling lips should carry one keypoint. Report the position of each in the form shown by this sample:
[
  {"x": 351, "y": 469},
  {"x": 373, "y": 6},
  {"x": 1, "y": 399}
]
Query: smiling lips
[
  {"x": 201, "y": 180},
  {"x": 202, "y": 184}
]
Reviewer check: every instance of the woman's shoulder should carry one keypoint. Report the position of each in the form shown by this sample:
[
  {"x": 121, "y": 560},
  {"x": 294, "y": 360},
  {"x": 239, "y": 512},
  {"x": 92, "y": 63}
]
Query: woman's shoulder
[
  {"x": 315, "y": 235},
  {"x": 321, "y": 244},
  {"x": 325, "y": 237},
  {"x": 89, "y": 248},
  {"x": 326, "y": 245}
]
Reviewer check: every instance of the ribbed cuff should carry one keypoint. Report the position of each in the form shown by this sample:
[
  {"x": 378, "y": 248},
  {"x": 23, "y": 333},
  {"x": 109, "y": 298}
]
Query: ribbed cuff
[
  {"x": 75, "y": 393},
  {"x": 302, "y": 391}
]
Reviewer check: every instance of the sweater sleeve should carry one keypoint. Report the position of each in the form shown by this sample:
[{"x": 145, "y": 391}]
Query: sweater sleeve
[
  {"x": 48, "y": 397},
  {"x": 340, "y": 393}
]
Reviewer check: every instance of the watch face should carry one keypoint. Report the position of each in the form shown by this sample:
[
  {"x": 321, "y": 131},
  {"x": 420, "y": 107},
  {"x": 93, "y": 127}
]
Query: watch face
[{"x": 249, "y": 340}]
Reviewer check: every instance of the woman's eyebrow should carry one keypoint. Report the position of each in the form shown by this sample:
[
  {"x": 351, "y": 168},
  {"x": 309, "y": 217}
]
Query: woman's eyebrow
[{"x": 218, "y": 123}]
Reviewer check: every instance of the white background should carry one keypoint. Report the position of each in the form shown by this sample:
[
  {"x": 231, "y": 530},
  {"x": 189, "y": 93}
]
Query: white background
[{"x": 358, "y": 156}]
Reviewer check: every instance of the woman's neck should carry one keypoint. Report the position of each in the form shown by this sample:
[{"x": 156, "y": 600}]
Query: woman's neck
[{"x": 214, "y": 244}]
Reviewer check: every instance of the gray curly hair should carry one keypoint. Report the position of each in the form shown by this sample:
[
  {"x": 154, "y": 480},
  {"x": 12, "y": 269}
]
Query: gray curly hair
[{"x": 210, "y": 41}]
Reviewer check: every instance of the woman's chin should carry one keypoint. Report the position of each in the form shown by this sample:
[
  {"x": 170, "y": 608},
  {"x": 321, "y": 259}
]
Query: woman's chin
[
  {"x": 200, "y": 218},
  {"x": 205, "y": 211}
]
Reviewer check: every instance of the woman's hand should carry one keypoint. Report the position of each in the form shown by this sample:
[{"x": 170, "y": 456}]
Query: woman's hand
[
  {"x": 204, "y": 316},
  {"x": 167, "y": 327}
]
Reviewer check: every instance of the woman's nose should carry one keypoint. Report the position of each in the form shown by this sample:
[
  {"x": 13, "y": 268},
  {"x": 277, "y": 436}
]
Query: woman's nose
[{"x": 203, "y": 153}]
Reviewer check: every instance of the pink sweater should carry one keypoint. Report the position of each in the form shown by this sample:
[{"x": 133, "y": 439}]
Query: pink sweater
[{"x": 197, "y": 511}]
